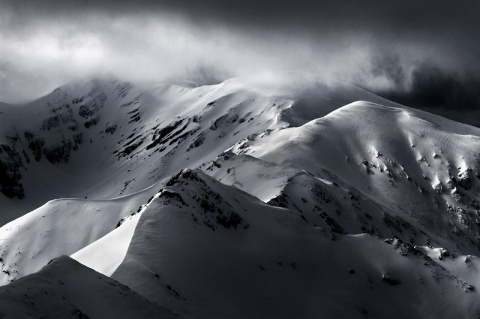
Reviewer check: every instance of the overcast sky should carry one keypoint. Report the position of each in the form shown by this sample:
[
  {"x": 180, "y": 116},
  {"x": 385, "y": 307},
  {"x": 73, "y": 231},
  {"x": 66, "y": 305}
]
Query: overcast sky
[{"x": 418, "y": 52}]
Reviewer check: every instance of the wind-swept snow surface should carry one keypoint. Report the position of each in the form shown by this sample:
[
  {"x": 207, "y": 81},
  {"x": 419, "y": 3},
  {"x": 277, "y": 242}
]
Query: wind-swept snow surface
[
  {"x": 240, "y": 201},
  {"x": 208, "y": 250},
  {"x": 422, "y": 168},
  {"x": 60, "y": 227}
]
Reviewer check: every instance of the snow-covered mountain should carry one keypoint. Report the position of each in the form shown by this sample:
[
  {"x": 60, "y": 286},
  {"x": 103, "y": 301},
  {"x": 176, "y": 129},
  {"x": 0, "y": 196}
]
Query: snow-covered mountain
[
  {"x": 241, "y": 200},
  {"x": 67, "y": 289}
]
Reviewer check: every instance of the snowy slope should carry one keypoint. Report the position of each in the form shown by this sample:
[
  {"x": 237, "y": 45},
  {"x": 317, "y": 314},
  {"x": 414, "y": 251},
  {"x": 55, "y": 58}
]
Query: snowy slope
[
  {"x": 60, "y": 227},
  {"x": 208, "y": 250},
  {"x": 423, "y": 168},
  {"x": 107, "y": 253},
  {"x": 66, "y": 289},
  {"x": 105, "y": 139},
  {"x": 290, "y": 201}
]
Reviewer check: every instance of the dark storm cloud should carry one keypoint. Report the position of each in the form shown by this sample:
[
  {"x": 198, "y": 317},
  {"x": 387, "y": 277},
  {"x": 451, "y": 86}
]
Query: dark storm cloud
[
  {"x": 432, "y": 87},
  {"x": 406, "y": 49},
  {"x": 456, "y": 21}
]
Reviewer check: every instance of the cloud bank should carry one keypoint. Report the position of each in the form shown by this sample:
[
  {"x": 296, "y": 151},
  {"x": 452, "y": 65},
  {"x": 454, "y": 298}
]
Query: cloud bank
[{"x": 418, "y": 53}]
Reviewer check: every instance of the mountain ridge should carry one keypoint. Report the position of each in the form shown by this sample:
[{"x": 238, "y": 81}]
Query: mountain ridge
[{"x": 332, "y": 200}]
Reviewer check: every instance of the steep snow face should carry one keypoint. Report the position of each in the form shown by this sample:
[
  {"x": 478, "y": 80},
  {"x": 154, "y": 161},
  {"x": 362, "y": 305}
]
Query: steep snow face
[
  {"x": 324, "y": 200},
  {"x": 424, "y": 170},
  {"x": 262, "y": 179},
  {"x": 206, "y": 250},
  {"x": 107, "y": 139},
  {"x": 60, "y": 227},
  {"x": 287, "y": 204},
  {"x": 106, "y": 254},
  {"x": 66, "y": 289}
]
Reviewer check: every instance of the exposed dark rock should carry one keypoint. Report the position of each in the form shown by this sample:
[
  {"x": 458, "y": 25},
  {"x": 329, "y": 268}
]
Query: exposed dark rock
[
  {"x": 91, "y": 122},
  {"x": 129, "y": 149},
  {"x": 111, "y": 129},
  {"x": 60, "y": 153},
  {"x": 231, "y": 221},
  {"x": 35, "y": 145},
  {"x": 388, "y": 280},
  {"x": 51, "y": 122},
  {"x": 197, "y": 141},
  {"x": 10, "y": 176},
  {"x": 334, "y": 226},
  {"x": 168, "y": 194},
  {"x": 160, "y": 134},
  {"x": 466, "y": 179}
]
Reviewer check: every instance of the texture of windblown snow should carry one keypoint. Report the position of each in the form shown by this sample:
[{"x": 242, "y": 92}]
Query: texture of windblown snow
[
  {"x": 60, "y": 227},
  {"x": 237, "y": 200},
  {"x": 279, "y": 266},
  {"x": 106, "y": 254},
  {"x": 421, "y": 168},
  {"x": 108, "y": 139}
]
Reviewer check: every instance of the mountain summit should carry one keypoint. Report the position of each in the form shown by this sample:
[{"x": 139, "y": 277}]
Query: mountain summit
[{"x": 237, "y": 201}]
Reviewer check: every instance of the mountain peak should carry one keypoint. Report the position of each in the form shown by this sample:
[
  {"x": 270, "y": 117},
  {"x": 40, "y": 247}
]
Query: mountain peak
[{"x": 195, "y": 196}]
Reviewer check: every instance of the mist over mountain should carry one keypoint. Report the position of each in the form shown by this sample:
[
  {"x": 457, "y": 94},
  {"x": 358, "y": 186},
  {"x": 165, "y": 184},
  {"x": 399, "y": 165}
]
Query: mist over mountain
[
  {"x": 239, "y": 159},
  {"x": 421, "y": 55}
]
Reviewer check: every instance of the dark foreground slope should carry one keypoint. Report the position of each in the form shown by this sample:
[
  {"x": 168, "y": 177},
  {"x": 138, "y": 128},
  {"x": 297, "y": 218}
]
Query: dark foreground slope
[
  {"x": 67, "y": 289},
  {"x": 207, "y": 250}
]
